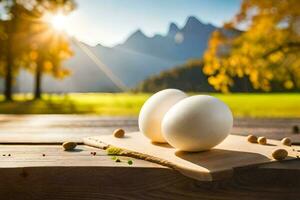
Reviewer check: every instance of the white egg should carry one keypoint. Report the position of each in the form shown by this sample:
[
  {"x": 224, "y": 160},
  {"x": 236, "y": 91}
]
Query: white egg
[
  {"x": 197, "y": 123},
  {"x": 153, "y": 111}
]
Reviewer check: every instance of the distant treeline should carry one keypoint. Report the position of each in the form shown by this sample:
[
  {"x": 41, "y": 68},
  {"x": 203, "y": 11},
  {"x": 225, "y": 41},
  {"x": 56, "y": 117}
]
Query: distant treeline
[{"x": 190, "y": 77}]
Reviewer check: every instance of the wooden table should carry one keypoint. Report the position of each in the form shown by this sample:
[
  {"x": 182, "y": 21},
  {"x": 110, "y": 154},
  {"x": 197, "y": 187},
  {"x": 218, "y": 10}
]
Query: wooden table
[{"x": 45, "y": 171}]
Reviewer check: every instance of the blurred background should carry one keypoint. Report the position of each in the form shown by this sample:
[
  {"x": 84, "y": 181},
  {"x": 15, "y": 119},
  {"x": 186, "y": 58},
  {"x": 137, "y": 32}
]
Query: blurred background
[{"x": 106, "y": 57}]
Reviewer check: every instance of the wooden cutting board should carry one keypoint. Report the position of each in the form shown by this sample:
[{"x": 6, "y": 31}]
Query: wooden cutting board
[{"x": 218, "y": 163}]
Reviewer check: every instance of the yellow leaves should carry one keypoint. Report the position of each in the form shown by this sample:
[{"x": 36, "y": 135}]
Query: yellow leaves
[
  {"x": 276, "y": 57},
  {"x": 33, "y": 55},
  {"x": 268, "y": 74},
  {"x": 288, "y": 84},
  {"x": 259, "y": 52},
  {"x": 220, "y": 82},
  {"x": 253, "y": 76},
  {"x": 62, "y": 73},
  {"x": 48, "y": 66},
  {"x": 64, "y": 55}
]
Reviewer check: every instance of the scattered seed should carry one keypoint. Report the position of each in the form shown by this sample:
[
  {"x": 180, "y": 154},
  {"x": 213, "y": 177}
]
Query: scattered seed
[
  {"x": 8, "y": 154},
  {"x": 44, "y": 154},
  {"x": 286, "y": 141},
  {"x": 69, "y": 146},
  {"x": 252, "y": 139},
  {"x": 262, "y": 140},
  {"x": 118, "y": 160},
  {"x": 3, "y": 155},
  {"x": 130, "y": 162},
  {"x": 279, "y": 154},
  {"x": 295, "y": 129},
  {"x": 119, "y": 133}
]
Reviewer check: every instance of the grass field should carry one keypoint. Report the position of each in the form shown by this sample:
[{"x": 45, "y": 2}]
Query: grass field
[{"x": 127, "y": 104}]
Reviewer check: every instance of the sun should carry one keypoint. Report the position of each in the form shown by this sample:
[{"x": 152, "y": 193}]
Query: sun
[{"x": 58, "y": 21}]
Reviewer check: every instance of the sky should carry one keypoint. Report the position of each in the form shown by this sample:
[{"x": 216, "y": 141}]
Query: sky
[{"x": 110, "y": 22}]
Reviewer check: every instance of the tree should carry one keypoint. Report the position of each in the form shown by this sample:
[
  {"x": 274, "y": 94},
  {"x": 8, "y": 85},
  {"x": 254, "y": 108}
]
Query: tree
[
  {"x": 49, "y": 47},
  {"x": 10, "y": 35},
  {"x": 26, "y": 28},
  {"x": 266, "y": 52}
]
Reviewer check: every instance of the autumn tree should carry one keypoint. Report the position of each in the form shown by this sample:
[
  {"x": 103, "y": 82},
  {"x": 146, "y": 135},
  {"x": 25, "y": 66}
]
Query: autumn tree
[
  {"x": 24, "y": 34},
  {"x": 48, "y": 47},
  {"x": 267, "y": 51},
  {"x": 11, "y": 34}
]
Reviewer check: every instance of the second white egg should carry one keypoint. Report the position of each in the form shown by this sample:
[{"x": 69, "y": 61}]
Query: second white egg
[{"x": 197, "y": 123}]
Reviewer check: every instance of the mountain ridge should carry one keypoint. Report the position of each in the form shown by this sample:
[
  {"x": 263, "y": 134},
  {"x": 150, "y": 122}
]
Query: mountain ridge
[{"x": 132, "y": 61}]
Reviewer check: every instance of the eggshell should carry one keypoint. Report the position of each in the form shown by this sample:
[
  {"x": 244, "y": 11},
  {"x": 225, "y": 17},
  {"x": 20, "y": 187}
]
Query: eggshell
[
  {"x": 153, "y": 111},
  {"x": 197, "y": 123}
]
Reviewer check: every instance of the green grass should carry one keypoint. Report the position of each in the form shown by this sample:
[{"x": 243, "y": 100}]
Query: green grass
[{"x": 126, "y": 104}]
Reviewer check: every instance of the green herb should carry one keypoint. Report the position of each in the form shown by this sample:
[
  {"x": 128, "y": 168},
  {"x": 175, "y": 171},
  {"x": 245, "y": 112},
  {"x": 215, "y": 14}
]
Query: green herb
[
  {"x": 113, "y": 150},
  {"x": 130, "y": 162},
  {"x": 114, "y": 158}
]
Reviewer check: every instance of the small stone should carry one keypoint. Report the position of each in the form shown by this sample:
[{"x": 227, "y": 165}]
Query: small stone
[
  {"x": 119, "y": 133},
  {"x": 69, "y": 146},
  {"x": 279, "y": 154},
  {"x": 286, "y": 141},
  {"x": 252, "y": 139}
]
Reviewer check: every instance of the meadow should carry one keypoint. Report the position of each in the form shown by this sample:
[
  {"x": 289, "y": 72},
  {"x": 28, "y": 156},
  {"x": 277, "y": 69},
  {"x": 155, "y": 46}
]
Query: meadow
[{"x": 283, "y": 105}]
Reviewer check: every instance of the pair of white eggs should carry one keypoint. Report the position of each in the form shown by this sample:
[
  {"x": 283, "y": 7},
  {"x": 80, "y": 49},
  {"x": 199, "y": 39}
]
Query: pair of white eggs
[{"x": 195, "y": 123}]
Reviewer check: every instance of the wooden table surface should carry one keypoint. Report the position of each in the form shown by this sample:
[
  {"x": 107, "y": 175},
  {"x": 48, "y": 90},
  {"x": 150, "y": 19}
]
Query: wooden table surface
[{"x": 45, "y": 171}]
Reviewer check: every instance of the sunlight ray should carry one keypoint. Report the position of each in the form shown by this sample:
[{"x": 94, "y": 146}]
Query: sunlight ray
[{"x": 118, "y": 82}]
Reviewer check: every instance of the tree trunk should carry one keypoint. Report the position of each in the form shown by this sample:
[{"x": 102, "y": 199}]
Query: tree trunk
[
  {"x": 9, "y": 65},
  {"x": 8, "y": 79},
  {"x": 38, "y": 80}
]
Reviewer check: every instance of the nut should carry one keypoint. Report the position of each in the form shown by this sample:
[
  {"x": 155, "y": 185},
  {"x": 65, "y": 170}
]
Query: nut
[
  {"x": 119, "y": 133},
  {"x": 68, "y": 146},
  {"x": 279, "y": 154},
  {"x": 286, "y": 141},
  {"x": 252, "y": 139},
  {"x": 262, "y": 140}
]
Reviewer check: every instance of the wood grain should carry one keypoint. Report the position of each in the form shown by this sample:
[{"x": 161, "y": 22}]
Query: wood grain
[
  {"x": 59, "y": 128},
  {"x": 26, "y": 174},
  {"x": 61, "y": 175}
]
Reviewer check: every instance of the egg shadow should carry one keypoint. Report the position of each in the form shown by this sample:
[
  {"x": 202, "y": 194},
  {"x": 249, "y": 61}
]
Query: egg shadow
[
  {"x": 165, "y": 145},
  {"x": 218, "y": 160}
]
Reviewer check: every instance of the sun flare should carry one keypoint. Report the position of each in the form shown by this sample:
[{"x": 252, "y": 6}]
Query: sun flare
[{"x": 58, "y": 21}]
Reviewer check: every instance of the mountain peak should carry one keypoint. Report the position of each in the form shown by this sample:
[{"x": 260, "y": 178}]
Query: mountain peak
[
  {"x": 136, "y": 36},
  {"x": 192, "y": 22},
  {"x": 138, "y": 33},
  {"x": 173, "y": 29}
]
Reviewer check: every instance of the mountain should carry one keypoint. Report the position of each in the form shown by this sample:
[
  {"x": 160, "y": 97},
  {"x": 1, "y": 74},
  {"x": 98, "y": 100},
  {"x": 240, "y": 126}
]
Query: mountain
[{"x": 138, "y": 58}]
